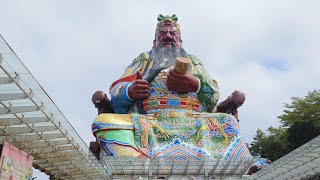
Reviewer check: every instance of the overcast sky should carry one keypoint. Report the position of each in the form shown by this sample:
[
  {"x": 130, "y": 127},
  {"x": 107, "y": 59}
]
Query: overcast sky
[{"x": 268, "y": 49}]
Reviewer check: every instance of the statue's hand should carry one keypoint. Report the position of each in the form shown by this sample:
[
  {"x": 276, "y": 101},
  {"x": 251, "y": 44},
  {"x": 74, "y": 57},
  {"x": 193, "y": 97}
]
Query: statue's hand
[
  {"x": 139, "y": 89},
  {"x": 182, "y": 83}
]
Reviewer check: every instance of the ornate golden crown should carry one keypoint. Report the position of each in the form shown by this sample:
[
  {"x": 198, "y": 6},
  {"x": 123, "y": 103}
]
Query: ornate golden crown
[{"x": 168, "y": 21}]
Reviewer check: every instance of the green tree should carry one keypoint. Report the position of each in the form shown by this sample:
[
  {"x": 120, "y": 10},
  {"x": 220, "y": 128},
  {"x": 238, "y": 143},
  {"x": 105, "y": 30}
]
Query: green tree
[
  {"x": 301, "y": 120},
  {"x": 300, "y": 133},
  {"x": 272, "y": 146},
  {"x": 306, "y": 109}
]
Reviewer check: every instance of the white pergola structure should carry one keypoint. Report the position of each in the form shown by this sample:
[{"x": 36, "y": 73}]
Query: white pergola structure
[
  {"x": 31, "y": 121},
  {"x": 302, "y": 163},
  {"x": 180, "y": 168}
]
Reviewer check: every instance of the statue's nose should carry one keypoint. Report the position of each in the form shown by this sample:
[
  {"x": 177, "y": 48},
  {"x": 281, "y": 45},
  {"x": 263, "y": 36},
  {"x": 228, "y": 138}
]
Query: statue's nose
[
  {"x": 167, "y": 39},
  {"x": 168, "y": 35}
]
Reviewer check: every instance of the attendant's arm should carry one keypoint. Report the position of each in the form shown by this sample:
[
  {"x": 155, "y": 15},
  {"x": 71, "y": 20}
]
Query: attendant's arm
[{"x": 208, "y": 92}]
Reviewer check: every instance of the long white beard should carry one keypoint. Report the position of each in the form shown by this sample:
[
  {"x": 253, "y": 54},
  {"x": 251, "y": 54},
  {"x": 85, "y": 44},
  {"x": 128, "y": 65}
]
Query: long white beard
[{"x": 165, "y": 57}]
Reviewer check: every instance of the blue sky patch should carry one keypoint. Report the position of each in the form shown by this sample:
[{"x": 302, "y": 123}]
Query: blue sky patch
[{"x": 275, "y": 64}]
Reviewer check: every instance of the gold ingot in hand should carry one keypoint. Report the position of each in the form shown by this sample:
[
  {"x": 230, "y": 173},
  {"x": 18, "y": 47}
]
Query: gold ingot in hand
[{"x": 181, "y": 65}]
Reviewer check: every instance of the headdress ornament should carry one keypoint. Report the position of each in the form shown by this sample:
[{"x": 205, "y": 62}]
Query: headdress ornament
[{"x": 168, "y": 21}]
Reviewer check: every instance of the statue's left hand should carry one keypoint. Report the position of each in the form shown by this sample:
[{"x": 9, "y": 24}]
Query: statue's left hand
[{"x": 182, "y": 83}]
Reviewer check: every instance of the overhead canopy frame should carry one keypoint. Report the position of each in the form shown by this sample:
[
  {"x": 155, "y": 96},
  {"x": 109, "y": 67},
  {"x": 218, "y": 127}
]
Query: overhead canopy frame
[{"x": 31, "y": 121}]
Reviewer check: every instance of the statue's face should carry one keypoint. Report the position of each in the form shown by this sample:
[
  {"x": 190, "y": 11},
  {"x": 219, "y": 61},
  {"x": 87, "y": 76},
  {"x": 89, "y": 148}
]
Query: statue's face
[{"x": 168, "y": 36}]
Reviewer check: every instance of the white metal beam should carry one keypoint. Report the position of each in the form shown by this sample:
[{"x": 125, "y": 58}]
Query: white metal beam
[
  {"x": 9, "y": 80},
  {"x": 15, "y": 96},
  {"x": 22, "y": 120},
  {"x": 18, "y": 109},
  {"x": 62, "y": 163},
  {"x": 22, "y": 138},
  {"x": 9, "y": 130},
  {"x": 42, "y": 161},
  {"x": 49, "y": 148}
]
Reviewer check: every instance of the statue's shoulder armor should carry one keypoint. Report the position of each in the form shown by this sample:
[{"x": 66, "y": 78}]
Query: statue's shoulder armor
[
  {"x": 142, "y": 57},
  {"x": 195, "y": 60}
]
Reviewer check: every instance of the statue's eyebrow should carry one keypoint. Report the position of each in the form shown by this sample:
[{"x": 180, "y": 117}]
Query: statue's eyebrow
[
  {"x": 171, "y": 31},
  {"x": 162, "y": 30}
]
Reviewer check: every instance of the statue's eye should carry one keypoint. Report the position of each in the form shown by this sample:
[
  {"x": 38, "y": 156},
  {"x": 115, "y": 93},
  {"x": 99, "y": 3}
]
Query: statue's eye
[{"x": 173, "y": 33}]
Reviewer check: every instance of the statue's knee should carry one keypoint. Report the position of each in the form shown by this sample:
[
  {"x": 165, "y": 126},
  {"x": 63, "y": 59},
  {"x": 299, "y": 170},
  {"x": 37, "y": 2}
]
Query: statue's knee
[
  {"x": 232, "y": 119},
  {"x": 118, "y": 142},
  {"x": 232, "y": 124},
  {"x": 115, "y": 149}
]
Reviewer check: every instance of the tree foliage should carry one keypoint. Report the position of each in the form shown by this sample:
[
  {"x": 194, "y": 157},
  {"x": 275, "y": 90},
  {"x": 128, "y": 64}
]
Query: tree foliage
[
  {"x": 306, "y": 109},
  {"x": 300, "y": 133},
  {"x": 301, "y": 123},
  {"x": 271, "y": 146}
]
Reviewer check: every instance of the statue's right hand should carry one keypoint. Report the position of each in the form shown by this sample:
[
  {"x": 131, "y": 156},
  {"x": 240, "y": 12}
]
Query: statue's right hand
[{"x": 139, "y": 89}]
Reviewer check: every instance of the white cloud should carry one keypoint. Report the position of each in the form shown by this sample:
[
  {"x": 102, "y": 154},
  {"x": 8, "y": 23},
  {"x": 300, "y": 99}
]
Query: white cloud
[{"x": 74, "y": 48}]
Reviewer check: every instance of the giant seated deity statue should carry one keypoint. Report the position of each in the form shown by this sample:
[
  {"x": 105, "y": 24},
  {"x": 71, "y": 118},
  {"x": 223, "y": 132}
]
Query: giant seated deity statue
[{"x": 165, "y": 105}]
